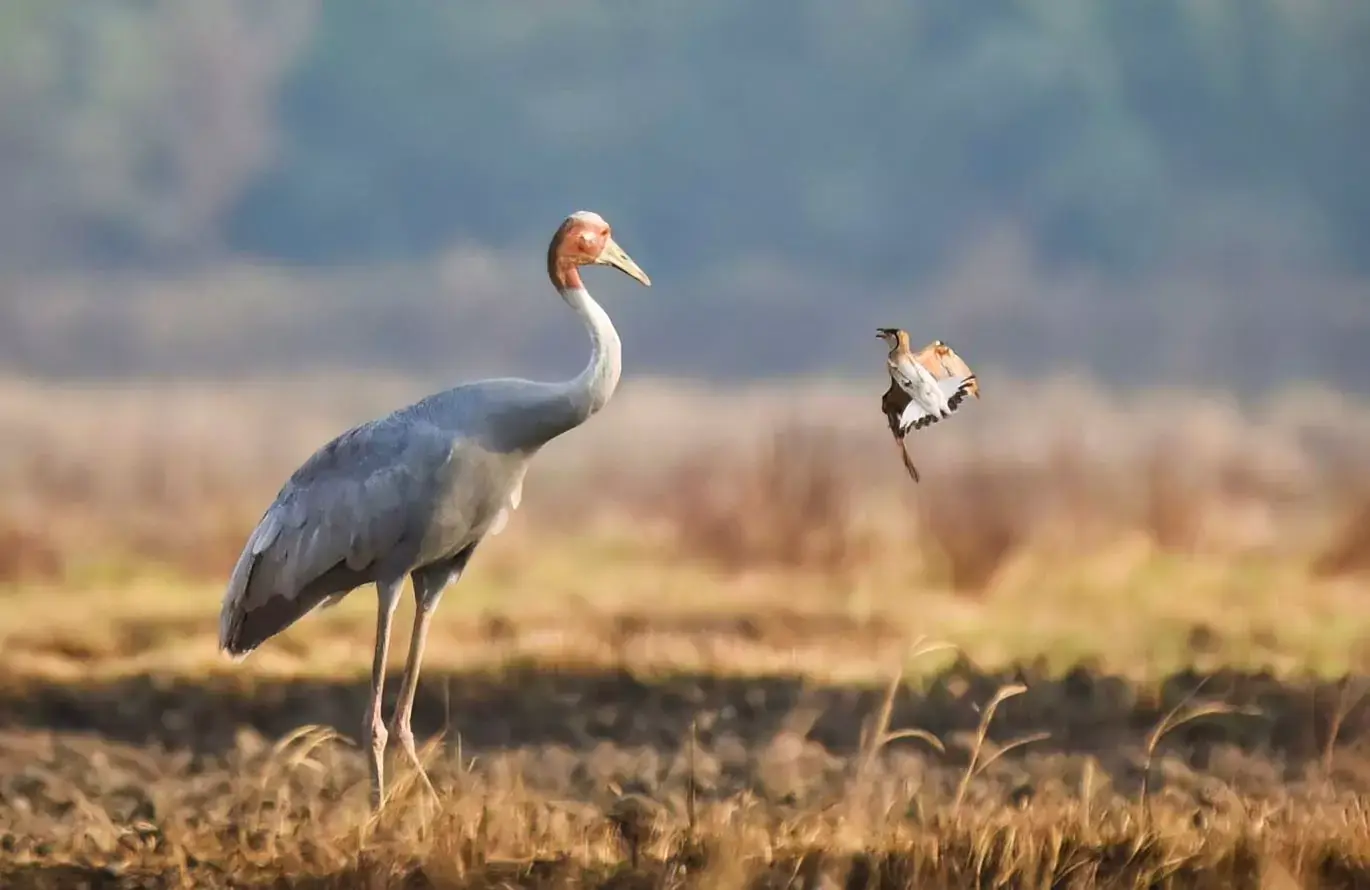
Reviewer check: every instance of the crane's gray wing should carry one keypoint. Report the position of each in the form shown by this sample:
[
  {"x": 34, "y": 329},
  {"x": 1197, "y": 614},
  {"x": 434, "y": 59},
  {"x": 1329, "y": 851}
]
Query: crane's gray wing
[{"x": 350, "y": 506}]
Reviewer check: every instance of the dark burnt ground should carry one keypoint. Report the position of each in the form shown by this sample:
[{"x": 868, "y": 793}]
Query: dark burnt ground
[
  {"x": 964, "y": 866},
  {"x": 153, "y": 781},
  {"x": 86, "y": 811},
  {"x": 1289, "y": 722}
]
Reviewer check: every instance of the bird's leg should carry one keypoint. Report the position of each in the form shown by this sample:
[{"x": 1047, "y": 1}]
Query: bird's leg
[
  {"x": 904, "y": 455},
  {"x": 427, "y": 592},
  {"x": 387, "y": 598},
  {"x": 404, "y": 707}
]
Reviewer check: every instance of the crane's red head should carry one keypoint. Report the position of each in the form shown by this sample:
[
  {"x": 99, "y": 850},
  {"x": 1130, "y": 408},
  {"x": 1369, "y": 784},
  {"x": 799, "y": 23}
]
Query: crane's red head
[{"x": 585, "y": 239}]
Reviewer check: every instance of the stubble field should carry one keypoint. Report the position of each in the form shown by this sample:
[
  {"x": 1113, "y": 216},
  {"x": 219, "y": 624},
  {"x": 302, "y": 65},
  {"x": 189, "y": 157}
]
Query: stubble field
[{"x": 724, "y": 643}]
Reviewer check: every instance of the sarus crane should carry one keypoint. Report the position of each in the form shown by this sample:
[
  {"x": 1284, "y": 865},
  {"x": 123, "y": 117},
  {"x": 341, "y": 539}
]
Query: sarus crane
[
  {"x": 925, "y": 387},
  {"x": 414, "y": 493}
]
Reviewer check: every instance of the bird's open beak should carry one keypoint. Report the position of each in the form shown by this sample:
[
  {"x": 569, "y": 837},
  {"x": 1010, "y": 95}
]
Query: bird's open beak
[{"x": 613, "y": 255}]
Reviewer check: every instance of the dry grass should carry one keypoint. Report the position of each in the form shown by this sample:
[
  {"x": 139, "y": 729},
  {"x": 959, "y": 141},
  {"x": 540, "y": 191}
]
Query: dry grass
[
  {"x": 678, "y": 782},
  {"x": 692, "y": 659}
]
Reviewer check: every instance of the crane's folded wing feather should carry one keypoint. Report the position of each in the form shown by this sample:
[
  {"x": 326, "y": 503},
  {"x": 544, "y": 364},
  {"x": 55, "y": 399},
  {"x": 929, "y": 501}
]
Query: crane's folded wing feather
[{"x": 348, "y": 506}]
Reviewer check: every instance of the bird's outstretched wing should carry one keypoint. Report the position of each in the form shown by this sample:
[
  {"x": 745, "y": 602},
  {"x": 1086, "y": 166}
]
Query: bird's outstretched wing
[
  {"x": 916, "y": 416},
  {"x": 943, "y": 362},
  {"x": 936, "y": 364},
  {"x": 893, "y": 403}
]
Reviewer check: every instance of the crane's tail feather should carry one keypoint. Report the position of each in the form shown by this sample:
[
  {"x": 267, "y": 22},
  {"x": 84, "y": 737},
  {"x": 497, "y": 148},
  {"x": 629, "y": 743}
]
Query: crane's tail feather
[
  {"x": 259, "y": 603},
  {"x": 266, "y": 595},
  {"x": 233, "y": 610},
  {"x": 235, "y": 603},
  {"x": 247, "y": 622},
  {"x": 252, "y": 627}
]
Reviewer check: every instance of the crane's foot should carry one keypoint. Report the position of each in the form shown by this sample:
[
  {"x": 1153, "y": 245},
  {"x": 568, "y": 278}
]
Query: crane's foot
[
  {"x": 376, "y": 738},
  {"x": 405, "y": 737}
]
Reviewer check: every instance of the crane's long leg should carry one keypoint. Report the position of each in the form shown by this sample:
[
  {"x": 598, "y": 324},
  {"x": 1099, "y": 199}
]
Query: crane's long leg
[
  {"x": 429, "y": 583},
  {"x": 387, "y": 598},
  {"x": 426, "y": 602}
]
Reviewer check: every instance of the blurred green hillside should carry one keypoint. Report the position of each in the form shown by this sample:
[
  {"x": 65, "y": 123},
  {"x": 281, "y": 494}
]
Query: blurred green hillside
[{"x": 1146, "y": 190}]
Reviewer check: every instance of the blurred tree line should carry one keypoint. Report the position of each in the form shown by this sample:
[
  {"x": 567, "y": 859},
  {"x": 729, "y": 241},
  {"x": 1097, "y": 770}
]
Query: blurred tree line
[{"x": 815, "y": 145}]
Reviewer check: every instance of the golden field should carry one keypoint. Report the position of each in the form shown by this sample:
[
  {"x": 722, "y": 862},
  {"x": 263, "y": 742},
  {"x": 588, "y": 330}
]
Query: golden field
[{"x": 725, "y": 642}]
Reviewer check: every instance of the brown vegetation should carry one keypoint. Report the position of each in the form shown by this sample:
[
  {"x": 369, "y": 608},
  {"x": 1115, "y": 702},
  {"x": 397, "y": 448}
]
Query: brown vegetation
[
  {"x": 703, "y": 706},
  {"x": 1348, "y": 551},
  {"x": 178, "y": 477},
  {"x": 789, "y": 504},
  {"x": 568, "y": 779}
]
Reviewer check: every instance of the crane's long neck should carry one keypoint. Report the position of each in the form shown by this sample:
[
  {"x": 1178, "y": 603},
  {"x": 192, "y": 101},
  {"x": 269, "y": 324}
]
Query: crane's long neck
[
  {"x": 566, "y": 405},
  {"x": 561, "y": 407},
  {"x": 593, "y": 387}
]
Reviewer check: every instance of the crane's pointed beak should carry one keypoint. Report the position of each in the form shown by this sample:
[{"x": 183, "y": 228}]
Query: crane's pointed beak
[{"x": 613, "y": 255}]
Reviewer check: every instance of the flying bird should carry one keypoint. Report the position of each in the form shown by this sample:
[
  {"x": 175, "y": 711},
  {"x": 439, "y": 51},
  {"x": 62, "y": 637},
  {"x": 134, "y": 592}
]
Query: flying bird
[
  {"x": 924, "y": 387},
  {"x": 415, "y": 492}
]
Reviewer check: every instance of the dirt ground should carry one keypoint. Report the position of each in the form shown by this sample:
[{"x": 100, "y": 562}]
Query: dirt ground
[{"x": 554, "y": 776}]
